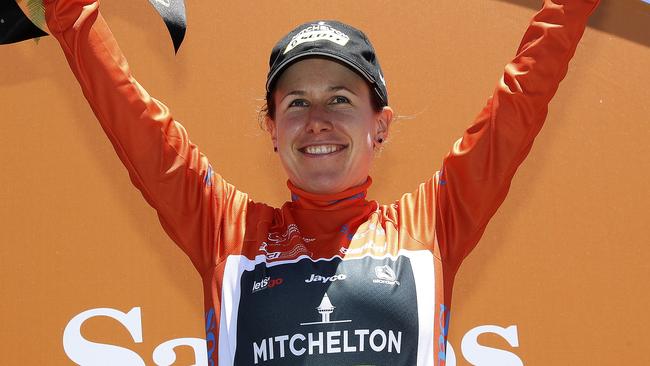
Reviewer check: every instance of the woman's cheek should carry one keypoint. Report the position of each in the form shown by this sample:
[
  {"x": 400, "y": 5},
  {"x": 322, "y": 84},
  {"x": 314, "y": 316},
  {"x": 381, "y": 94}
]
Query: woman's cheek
[
  {"x": 293, "y": 120},
  {"x": 287, "y": 125},
  {"x": 344, "y": 115}
]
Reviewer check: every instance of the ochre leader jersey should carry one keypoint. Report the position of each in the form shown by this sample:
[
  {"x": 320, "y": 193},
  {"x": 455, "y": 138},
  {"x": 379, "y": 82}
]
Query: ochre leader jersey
[{"x": 324, "y": 279}]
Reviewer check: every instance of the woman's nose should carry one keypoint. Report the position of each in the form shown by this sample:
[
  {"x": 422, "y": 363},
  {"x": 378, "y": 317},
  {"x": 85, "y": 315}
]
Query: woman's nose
[{"x": 318, "y": 121}]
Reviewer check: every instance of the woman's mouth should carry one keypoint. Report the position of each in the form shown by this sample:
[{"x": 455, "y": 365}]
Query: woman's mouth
[{"x": 320, "y": 150}]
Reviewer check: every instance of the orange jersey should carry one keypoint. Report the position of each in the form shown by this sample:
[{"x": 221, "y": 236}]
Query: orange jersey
[{"x": 324, "y": 279}]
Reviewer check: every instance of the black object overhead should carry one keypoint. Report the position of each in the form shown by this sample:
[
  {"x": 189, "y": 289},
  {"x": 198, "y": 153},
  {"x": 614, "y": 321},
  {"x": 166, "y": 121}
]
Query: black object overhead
[
  {"x": 15, "y": 26},
  {"x": 173, "y": 13}
]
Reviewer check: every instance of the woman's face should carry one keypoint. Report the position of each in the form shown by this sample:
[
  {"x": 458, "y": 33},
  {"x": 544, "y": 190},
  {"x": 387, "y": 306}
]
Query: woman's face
[{"x": 324, "y": 126}]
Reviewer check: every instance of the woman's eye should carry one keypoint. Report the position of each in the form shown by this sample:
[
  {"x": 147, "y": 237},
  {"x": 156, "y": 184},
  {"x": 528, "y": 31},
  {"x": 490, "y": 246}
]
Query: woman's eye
[
  {"x": 299, "y": 103},
  {"x": 340, "y": 99}
]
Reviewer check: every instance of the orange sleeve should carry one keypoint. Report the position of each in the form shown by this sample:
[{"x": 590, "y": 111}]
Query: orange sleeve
[
  {"x": 476, "y": 174},
  {"x": 174, "y": 177}
]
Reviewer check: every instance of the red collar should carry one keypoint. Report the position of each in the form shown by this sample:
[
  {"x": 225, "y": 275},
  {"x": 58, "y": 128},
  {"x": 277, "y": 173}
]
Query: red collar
[{"x": 354, "y": 196}]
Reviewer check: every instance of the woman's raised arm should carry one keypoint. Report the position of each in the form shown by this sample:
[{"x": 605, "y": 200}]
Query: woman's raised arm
[
  {"x": 476, "y": 174},
  {"x": 174, "y": 177}
]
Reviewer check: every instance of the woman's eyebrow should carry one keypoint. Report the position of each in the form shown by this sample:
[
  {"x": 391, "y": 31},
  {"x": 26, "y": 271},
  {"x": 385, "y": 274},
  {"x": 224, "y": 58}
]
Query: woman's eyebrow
[
  {"x": 299, "y": 92},
  {"x": 337, "y": 88},
  {"x": 294, "y": 92}
]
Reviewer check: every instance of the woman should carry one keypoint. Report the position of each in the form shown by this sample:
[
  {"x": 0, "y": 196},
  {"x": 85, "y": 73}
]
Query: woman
[{"x": 330, "y": 277}]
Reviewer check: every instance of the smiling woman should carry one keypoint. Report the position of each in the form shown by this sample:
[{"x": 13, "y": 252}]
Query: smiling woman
[
  {"x": 329, "y": 278},
  {"x": 329, "y": 106},
  {"x": 325, "y": 128}
]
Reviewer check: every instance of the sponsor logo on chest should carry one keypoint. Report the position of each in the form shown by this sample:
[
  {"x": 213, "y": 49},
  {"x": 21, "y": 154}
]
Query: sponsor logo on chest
[
  {"x": 385, "y": 275},
  {"x": 286, "y": 245},
  {"x": 314, "y": 278},
  {"x": 266, "y": 282},
  {"x": 312, "y": 342}
]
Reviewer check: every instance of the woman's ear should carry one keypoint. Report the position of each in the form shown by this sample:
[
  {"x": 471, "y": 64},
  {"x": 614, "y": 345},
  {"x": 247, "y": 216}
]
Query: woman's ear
[
  {"x": 384, "y": 119},
  {"x": 269, "y": 125}
]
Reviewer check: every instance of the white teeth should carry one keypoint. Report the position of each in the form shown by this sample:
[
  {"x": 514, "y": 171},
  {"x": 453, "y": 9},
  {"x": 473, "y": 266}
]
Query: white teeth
[{"x": 322, "y": 149}]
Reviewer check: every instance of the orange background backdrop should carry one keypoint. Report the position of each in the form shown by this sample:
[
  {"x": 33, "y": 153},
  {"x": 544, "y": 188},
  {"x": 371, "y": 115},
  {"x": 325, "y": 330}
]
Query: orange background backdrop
[{"x": 565, "y": 259}]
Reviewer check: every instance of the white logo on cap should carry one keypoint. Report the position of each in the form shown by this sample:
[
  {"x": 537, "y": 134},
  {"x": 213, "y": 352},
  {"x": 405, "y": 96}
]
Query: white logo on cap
[{"x": 317, "y": 32}]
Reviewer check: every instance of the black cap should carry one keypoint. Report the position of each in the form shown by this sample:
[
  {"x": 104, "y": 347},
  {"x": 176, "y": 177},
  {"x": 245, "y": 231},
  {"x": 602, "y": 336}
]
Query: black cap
[{"x": 331, "y": 39}]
